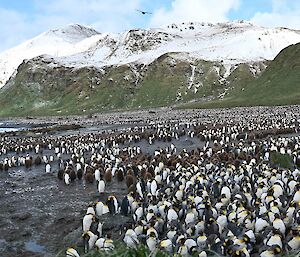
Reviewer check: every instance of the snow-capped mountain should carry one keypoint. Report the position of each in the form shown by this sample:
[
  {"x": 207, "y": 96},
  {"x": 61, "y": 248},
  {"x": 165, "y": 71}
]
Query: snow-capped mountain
[{"x": 78, "y": 46}]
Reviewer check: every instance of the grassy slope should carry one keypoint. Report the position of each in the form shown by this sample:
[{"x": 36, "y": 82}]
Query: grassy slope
[
  {"x": 39, "y": 90},
  {"x": 278, "y": 85}
]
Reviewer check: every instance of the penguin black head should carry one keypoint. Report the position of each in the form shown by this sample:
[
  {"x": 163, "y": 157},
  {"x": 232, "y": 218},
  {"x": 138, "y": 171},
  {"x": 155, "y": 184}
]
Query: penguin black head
[
  {"x": 277, "y": 216},
  {"x": 108, "y": 236},
  {"x": 227, "y": 243},
  {"x": 152, "y": 234},
  {"x": 270, "y": 192}
]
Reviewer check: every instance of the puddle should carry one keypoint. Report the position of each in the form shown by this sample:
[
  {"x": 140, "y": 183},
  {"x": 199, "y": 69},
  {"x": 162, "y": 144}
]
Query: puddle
[{"x": 34, "y": 247}]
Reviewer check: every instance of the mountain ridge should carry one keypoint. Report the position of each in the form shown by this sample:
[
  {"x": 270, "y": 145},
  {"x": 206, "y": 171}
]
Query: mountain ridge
[{"x": 79, "y": 46}]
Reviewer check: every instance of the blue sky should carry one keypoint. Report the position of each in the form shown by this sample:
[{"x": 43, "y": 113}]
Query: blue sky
[{"x": 23, "y": 19}]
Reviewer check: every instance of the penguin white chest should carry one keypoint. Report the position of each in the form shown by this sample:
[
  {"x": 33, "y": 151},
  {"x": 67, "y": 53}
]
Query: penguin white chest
[{"x": 101, "y": 186}]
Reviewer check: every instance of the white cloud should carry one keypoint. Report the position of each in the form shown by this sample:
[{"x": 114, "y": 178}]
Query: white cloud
[
  {"x": 285, "y": 13},
  {"x": 194, "y": 10}
]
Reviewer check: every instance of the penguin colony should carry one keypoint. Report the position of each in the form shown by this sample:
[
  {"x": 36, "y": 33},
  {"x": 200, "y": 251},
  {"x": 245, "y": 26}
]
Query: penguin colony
[{"x": 224, "y": 196}]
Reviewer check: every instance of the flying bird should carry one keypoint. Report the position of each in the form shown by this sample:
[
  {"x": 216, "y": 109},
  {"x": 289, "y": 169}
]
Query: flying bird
[{"x": 143, "y": 12}]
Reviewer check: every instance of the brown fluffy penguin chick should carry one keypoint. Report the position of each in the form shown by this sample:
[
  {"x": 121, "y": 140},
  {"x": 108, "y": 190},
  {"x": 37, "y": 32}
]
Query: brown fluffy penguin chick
[
  {"x": 60, "y": 174},
  {"x": 148, "y": 176},
  {"x": 132, "y": 189},
  {"x": 129, "y": 180},
  {"x": 28, "y": 162},
  {"x": 108, "y": 175},
  {"x": 38, "y": 161},
  {"x": 143, "y": 173},
  {"x": 72, "y": 174},
  {"x": 79, "y": 174},
  {"x": 89, "y": 177},
  {"x": 120, "y": 175}
]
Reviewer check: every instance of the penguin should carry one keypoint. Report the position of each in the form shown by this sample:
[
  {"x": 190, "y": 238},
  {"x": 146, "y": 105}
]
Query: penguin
[
  {"x": 60, "y": 174},
  {"x": 89, "y": 177},
  {"x": 120, "y": 175},
  {"x": 166, "y": 245},
  {"x": 275, "y": 240},
  {"x": 296, "y": 197},
  {"x": 129, "y": 180},
  {"x": 71, "y": 252},
  {"x": 183, "y": 250},
  {"x": 89, "y": 239},
  {"x": 108, "y": 175},
  {"x": 190, "y": 244},
  {"x": 260, "y": 224},
  {"x": 104, "y": 244},
  {"x": 90, "y": 210},
  {"x": 271, "y": 252},
  {"x": 97, "y": 175},
  {"x": 279, "y": 224},
  {"x": 153, "y": 187},
  {"x": 152, "y": 241},
  {"x": 38, "y": 161},
  {"x": 131, "y": 239},
  {"x": 101, "y": 208},
  {"x": 172, "y": 215},
  {"x": 67, "y": 179},
  {"x": 293, "y": 240},
  {"x": 138, "y": 214},
  {"x": 139, "y": 190},
  {"x": 100, "y": 229},
  {"x": 101, "y": 186},
  {"x": 72, "y": 175},
  {"x": 79, "y": 174},
  {"x": 87, "y": 222},
  {"x": 125, "y": 208},
  {"x": 108, "y": 244},
  {"x": 48, "y": 168},
  {"x": 99, "y": 244},
  {"x": 113, "y": 205}
]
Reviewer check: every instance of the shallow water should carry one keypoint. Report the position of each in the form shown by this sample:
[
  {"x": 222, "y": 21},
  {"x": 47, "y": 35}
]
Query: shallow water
[
  {"x": 8, "y": 129},
  {"x": 34, "y": 247}
]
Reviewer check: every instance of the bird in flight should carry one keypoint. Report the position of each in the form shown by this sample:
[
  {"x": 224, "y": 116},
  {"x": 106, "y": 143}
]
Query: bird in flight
[{"x": 143, "y": 12}]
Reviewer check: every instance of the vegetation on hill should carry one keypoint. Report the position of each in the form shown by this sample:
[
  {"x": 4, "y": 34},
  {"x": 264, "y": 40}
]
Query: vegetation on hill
[
  {"x": 279, "y": 84},
  {"x": 44, "y": 88}
]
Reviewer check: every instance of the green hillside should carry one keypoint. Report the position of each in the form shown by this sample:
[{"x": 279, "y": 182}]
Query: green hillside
[
  {"x": 41, "y": 87},
  {"x": 279, "y": 84}
]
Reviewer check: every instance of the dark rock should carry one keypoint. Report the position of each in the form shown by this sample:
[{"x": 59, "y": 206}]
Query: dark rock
[
  {"x": 26, "y": 233},
  {"x": 21, "y": 216}
]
